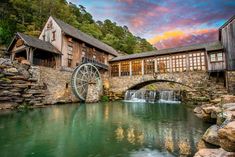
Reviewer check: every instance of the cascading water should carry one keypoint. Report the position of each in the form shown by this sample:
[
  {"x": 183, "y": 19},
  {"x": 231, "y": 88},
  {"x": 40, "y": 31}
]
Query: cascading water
[{"x": 166, "y": 96}]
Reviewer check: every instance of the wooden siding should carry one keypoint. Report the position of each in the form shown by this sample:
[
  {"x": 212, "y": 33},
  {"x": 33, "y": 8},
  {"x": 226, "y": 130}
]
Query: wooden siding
[{"x": 228, "y": 41}]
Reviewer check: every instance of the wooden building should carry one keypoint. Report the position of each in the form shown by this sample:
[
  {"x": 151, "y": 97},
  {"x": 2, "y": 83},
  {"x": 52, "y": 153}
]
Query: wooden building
[
  {"x": 60, "y": 45},
  {"x": 36, "y": 51},
  {"x": 199, "y": 57}
]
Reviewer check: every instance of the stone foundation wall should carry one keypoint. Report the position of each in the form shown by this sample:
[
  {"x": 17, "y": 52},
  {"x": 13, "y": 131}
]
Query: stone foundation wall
[
  {"x": 230, "y": 81},
  {"x": 58, "y": 85},
  {"x": 22, "y": 84}
]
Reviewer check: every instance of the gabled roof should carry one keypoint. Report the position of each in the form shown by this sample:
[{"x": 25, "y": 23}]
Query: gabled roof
[
  {"x": 72, "y": 31},
  {"x": 37, "y": 43},
  {"x": 227, "y": 22},
  {"x": 212, "y": 46}
]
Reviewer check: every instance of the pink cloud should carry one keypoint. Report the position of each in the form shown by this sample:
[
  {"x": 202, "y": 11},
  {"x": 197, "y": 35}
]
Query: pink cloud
[{"x": 185, "y": 38}]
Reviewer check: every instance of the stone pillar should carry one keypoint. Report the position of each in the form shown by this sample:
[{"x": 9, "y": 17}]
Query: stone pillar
[
  {"x": 142, "y": 67},
  {"x": 93, "y": 94},
  {"x": 130, "y": 68}
]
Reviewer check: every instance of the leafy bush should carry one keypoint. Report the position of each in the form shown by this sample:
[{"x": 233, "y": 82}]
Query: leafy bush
[{"x": 104, "y": 98}]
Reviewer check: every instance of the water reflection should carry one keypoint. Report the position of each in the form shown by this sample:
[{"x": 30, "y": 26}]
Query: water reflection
[{"x": 110, "y": 129}]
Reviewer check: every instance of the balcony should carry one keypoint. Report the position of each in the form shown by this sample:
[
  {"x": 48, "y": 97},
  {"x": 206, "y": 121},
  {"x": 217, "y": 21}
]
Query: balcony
[{"x": 95, "y": 63}]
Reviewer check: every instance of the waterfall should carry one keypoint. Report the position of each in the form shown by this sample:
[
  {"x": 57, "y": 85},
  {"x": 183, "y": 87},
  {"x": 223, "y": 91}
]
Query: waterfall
[{"x": 149, "y": 96}]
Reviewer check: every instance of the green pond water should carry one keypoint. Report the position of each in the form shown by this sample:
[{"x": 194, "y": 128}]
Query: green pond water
[{"x": 116, "y": 129}]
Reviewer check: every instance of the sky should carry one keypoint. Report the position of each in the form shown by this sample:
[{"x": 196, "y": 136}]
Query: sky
[{"x": 165, "y": 23}]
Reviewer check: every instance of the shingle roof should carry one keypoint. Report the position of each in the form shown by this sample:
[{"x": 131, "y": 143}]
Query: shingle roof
[
  {"x": 72, "y": 31},
  {"x": 37, "y": 43},
  {"x": 227, "y": 22},
  {"x": 212, "y": 46}
]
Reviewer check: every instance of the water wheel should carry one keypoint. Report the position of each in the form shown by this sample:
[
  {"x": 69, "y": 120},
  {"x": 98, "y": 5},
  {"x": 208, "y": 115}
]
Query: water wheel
[{"x": 84, "y": 76}]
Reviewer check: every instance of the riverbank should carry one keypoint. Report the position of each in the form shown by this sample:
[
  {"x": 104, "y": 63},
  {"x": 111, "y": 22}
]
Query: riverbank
[{"x": 219, "y": 139}]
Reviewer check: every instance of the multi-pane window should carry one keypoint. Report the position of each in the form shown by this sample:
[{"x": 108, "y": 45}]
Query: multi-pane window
[
  {"x": 179, "y": 63},
  {"x": 216, "y": 57},
  {"x": 148, "y": 66},
  {"x": 136, "y": 67},
  {"x": 163, "y": 64},
  {"x": 115, "y": 69},
  {"x": 70, "y": 52},
  {"x": 197, "y": 61},
  {"x": 125, "y": 68}
]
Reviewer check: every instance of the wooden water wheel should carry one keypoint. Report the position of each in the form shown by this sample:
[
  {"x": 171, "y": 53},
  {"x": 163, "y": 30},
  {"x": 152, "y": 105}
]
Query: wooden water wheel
[{"x": 83, "y": 76}]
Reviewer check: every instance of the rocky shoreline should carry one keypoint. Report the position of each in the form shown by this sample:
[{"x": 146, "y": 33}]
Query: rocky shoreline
[{"x": 219, "y": 139}]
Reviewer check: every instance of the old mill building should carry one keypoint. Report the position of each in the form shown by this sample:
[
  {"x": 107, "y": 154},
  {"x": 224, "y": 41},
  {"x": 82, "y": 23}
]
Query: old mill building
[{"x": 62, "y": 46}]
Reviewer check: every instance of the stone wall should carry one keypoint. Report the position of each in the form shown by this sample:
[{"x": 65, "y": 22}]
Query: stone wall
[
  {"x": 58, "y": 85},
  {"x": 22, "y": 84},
  {"x": 18, "y": 85},
  {"x": 197, "y": 84},
  {"x": 230, "y": 81}
]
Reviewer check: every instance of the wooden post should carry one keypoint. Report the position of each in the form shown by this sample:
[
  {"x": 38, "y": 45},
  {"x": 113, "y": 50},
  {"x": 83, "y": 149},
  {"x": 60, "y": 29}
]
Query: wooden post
[
  {"x": 13, "y": 56},
  {"x": 30, "y": 59},
  {"x": 170, "y": 66},
  {"x": 130, "y": 66},
  {"x": 187, "y": 62},
  {"x": 142, "y": 67},
  {"x": 119, "y": 69},
  {"x": 27, "y": 53},
  {"x": 155, "y": 65}
]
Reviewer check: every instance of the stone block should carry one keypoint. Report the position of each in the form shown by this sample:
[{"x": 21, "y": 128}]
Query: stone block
[
  {"x": 211, "y": 135},
  {"x": 214, "y": 153},
  {"x": 227, "y": 137}
]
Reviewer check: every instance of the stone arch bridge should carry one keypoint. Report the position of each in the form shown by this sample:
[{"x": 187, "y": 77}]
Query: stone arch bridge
[{"x": 195, "y": 81}]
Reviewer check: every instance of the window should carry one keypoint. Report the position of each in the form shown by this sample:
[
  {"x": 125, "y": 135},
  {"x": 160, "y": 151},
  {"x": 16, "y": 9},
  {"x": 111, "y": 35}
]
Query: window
[
  {"x": 213, "y": 57},
  {"x": 115, "y": 69},
  {"x": 163, "y": 64},
  {"x": 136, "y": 66},
  {"x": 197, "y": 61},
  {"x": 148, "y": 66},
  {"x": 125, "y": 68},
  {"x": 53, "y": 35},
  {"x": 69, "y": 62},
  {"x": 216, "y": 57},
  {"x": 179, "y": 63},
  {"x": 44, "y": 37},
  {"x": 219, "y": 56}
]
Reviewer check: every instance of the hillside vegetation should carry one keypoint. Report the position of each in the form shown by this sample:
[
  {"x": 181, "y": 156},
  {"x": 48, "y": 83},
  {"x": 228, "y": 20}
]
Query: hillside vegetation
[{"x": 29, "y": 17}]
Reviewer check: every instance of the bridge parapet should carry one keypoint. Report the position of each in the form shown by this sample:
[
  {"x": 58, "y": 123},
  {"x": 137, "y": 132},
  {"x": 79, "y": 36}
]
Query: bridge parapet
[{"x": 189, "y": 79}]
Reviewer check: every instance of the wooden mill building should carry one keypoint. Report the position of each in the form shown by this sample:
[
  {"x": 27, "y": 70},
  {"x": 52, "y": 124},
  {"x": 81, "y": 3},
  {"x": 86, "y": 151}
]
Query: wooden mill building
[{"x": 60, "y": 45}]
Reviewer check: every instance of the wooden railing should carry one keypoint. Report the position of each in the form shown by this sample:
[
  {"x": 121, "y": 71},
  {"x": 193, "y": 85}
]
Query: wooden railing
[{"x": 94, "y": 62}]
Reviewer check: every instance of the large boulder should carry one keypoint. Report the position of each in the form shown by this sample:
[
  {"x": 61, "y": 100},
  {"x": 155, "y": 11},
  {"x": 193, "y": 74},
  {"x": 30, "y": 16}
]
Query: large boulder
[
  {"x": 211, "y": 135},
  {"x": 227, "y": 137},
  {"x": 214, "y": 153}
]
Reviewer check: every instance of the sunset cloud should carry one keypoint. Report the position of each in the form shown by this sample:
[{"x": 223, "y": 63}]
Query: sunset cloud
[{"x": 166, "y": 23}]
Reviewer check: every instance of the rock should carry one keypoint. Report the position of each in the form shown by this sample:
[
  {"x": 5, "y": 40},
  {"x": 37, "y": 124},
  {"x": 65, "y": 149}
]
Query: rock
[
  {"x": 11, "y": 70},
  {"x": 27, "y": 95},
  {"x": 4, "y": 61},
  {"x": 211, "y": 135},
  {"x": 7, "y": 105},
  {"x": 228, "y": 105},
  {"x": 203, "y": 144},
  {"x": 17, "y": 77},
  {"x": 214, "y": 153},
  {"x": 228, "y": 99},
  {"x": 209, "y": 109},
  {"x": 21, "y": 85},
  {"x": 216, "y": 101},
  {"x": 227, "y": 137}
]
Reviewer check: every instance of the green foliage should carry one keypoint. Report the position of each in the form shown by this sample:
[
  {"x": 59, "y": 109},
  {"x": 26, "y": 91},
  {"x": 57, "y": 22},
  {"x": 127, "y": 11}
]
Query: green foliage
[
  {"x": 29, "y": 16},
  {"x": 23, "y": 107},
  {"x": 104, "y": 98}
]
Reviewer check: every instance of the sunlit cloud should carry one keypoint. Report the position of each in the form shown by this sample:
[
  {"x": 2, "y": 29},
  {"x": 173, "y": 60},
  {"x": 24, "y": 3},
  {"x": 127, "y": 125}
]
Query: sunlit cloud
[{"x": 166, "y": 23}]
